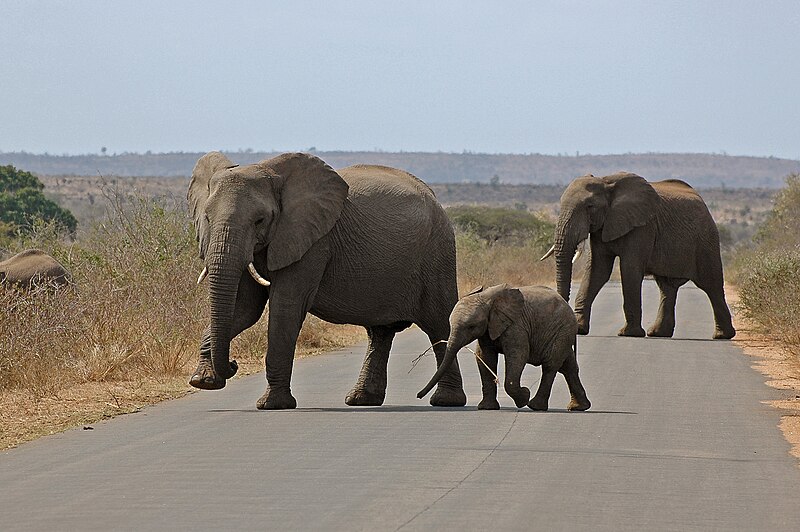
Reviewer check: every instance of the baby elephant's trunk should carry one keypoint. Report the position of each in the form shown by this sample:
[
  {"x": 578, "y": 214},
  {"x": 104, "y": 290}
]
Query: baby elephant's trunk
[{"x": 450, "y": 355}]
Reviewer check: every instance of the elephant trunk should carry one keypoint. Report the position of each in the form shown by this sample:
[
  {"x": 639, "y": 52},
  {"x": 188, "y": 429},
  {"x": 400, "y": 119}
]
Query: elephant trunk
[
  {"x": 224, "y": 273},
  {"x": 568, "y": 236},
  {"x": 454, "y": 344}
]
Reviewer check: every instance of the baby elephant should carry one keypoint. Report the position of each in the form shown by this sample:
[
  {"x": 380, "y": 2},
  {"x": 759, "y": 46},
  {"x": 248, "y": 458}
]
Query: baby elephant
[{"x": 531, "y": 324}]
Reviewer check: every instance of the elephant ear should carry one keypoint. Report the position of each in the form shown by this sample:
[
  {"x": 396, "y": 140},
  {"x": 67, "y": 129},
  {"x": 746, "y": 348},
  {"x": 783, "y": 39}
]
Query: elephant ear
[
  {"x": 506, "y": 308},
  {"x": 198, "y": 194},
  {"x": 633, "y": 202},
  {"x": 312, "y": 196}
]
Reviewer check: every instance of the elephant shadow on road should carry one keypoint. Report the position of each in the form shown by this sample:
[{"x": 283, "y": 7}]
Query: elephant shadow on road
[{"x": 411, "y": 408}]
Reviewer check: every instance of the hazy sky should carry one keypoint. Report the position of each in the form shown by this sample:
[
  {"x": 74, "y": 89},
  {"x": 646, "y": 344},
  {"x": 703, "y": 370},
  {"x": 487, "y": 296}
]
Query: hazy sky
[{"x": 508, "y": 77}]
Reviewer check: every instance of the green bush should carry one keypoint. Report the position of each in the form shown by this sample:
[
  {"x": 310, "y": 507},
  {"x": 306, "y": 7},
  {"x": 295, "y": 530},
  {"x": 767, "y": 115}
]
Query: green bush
[
  {"x": 496, "y": 245},
  {"x": 22, "y": 203},
  {"x": 499, "y": 225}
]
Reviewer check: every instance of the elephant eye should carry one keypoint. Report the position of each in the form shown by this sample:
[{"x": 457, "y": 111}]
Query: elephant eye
[{"x": 260, "y": 221}]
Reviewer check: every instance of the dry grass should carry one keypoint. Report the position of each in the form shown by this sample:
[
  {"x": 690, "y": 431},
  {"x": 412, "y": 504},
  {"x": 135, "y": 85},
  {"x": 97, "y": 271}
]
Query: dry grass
[{"x": 480, "y": 263}]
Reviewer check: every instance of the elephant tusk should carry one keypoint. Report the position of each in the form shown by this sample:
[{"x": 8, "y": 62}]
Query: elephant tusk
[
  {"x": 549, "y": 252},
  {"x": 260, "y": 280},
  {"x": 202, "y": 275},
  {"x": 577, "y": 255}
]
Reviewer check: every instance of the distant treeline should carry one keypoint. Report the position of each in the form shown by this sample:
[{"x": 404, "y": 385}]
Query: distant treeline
[{"x": 700, "y": 170}]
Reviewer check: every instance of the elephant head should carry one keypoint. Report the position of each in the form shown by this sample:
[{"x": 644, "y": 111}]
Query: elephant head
[
  {"x": 480, "y": 312},
  {"x": 609, "y": 206},
  {"x": 275, "y": 209}
]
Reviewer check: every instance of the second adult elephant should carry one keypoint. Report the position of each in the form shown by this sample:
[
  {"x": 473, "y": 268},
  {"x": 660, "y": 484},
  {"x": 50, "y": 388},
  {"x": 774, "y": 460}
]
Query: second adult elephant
[
  {"x": 369, "y": 245},
  {"x": 662, "y": 228},
  {"x": 34, "y": 267}
]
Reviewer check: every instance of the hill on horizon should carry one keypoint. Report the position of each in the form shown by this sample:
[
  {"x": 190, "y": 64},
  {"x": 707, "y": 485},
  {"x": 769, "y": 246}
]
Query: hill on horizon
[{"x": 700, "y": 170}]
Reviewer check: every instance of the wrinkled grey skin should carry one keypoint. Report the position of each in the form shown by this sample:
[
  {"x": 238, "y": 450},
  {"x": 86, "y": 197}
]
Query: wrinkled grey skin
[
  {"x": 369, "y": 245},
  {"x": 529, "y": 325},
  {"x": 34, "y": 267},
  {"x": 662, "y": 228}
]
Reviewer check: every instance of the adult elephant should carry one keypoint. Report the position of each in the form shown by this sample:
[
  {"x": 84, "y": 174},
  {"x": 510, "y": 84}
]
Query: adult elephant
[
  {"x": 369, "y": 245},
  {"x": 662, "y": 228},
  {"x": 34, "y": 267}
]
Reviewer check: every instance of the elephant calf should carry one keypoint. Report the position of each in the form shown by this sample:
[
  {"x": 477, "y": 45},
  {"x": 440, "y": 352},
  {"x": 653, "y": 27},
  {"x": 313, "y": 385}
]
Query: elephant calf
[{"x": 530, "y": 324}]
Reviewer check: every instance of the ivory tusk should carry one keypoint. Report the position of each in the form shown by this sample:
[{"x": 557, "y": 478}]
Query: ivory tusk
[
  {"x": 577, "y": 255},
  {"x": 202, "y": 275},
  {"x": 260, "y": 280},
  {"x": 549, "y": 252}
]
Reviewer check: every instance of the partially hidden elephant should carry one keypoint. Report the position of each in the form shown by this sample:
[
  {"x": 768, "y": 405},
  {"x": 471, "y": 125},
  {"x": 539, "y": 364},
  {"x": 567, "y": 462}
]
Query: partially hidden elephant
[
  {"x": 528, "y": 325},
  {"x": 662, "y": 228},
  {"x": 367, "y": 245},
  {"x": 34, "y": 267}
]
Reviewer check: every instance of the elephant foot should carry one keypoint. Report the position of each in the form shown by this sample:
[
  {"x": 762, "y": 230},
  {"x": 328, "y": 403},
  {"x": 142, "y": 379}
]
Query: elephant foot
[
  {"x": 724, "y": 334},
  {"x": 521, "y": 396},
  {"x": 361, "y": 397},
  {"x": 276, "y": 400},
  {"x": 538, "y": 404},
  {"x": 579, "y": 406},
  {"x": 446, "y": 396},
  {"x": 660, "y": 332},
  {"x": 631, "y": 330},
  {"x": 204, "y": 377},
  {"x": 489, "y": 403}
]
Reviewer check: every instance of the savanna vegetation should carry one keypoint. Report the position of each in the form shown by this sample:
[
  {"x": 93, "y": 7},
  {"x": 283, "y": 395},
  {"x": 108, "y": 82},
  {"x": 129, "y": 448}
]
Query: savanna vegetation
[{"x": 767, "y": 271}]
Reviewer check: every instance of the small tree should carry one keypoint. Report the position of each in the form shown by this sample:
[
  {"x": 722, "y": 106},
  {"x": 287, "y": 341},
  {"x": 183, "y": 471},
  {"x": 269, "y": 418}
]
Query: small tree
[{"x": 22, "y": 202}]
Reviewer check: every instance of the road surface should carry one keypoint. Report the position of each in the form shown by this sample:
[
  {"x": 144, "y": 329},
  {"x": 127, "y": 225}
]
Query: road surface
[{"x": 678, "y": 438}]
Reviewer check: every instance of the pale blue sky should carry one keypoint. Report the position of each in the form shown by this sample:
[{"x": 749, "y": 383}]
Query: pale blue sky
[{"x": 499, "y": 77}]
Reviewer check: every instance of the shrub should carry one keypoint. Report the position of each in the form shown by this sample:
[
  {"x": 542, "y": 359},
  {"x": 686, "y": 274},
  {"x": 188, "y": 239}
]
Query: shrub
[
  {"x": 767, "y": 274},
  {"x": 769, "y": 292},
  {"x": 499, "y": 225},
  {"x": 22, "y": 202},
  {"x": 496, "y": 245}
]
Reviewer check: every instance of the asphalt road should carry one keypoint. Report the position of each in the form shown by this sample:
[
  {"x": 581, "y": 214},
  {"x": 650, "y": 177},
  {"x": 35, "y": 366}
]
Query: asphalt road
[{"x": 678, "y": 438}]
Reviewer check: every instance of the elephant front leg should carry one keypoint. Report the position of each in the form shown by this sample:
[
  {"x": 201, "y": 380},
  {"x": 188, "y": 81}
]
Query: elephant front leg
[
  {"x": 370, "y": 390},
  {"x": 486, "y": 357},
  {"x": 515, "y": 363},
  {"x": 632, "y": 276},
  {"x": 284, "y": 328},
  {"x": 597, "y": 272}
]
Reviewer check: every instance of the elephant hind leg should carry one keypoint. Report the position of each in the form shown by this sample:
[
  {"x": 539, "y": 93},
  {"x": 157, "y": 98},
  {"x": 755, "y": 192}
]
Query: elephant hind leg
[
  {"x": 370, "y": 389},
  {"x": 578, "y": 400},
  {"x": 664, "y": 325},
  {"x": 723, "y": 324}
]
